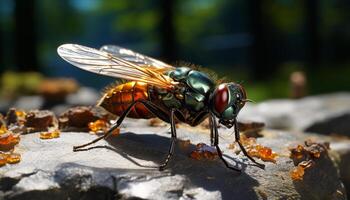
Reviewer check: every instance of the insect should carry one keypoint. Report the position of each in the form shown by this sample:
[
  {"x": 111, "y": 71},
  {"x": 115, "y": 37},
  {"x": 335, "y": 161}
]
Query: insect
[{"x": 157, "y": 89}]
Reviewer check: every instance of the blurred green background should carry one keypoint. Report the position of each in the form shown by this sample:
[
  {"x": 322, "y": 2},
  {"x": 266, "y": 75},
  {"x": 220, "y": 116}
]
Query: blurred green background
[{"x": 258, "y": 43}]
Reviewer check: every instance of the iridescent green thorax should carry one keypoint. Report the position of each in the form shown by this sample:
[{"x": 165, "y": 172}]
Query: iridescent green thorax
[{"x": 196, "y": 89}]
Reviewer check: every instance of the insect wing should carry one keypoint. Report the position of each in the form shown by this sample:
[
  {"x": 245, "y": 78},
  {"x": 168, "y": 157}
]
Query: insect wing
[
  {"x": 102, "y": 62},
  {"x": 136, "y": 58}
]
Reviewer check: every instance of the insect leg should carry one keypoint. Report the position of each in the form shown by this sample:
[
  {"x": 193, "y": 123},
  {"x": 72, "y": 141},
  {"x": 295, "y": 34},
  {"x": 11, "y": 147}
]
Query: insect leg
[
  {"x": 214, "y": 129},
  {"x": 110, "y": 131},
  {"x": 173, "y": 140},
  {"x": 211, "y": 125},
  {"x": 237, "y": 136}
]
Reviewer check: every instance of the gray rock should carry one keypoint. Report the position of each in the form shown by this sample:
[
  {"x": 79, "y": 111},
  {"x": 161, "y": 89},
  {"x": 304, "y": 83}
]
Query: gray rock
[
  {"x": 121, "y": 167},
  {"x": 343, "y": 162},
  {"x": 29, "y": 102},
  {"x": 61, "y": 108},
  {"x": 337, "y": 124},
  {"x": 4, "y": 105},
  {"x": 322, "y": 114},
  {"x": 85, "y": 96}
]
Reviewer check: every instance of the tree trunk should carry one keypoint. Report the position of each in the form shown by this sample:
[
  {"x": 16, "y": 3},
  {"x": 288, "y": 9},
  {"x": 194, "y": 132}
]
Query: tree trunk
[
  {"x": 167, "y": 31},
  {"x": 25, "y": 40},
  {"x": 312, "y": 33},
  {"x": 263, "y": 66},
  {"x": 2, "y": 62}
]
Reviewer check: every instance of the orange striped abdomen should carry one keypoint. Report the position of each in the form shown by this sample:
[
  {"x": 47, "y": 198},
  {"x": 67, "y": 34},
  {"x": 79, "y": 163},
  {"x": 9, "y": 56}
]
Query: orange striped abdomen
[{"x": 117, "y": 99}]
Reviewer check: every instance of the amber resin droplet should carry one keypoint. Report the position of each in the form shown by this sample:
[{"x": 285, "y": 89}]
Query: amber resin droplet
[
  {"x": 3, "y": 130},
  {"x": 8, "y": 141},
  {"x": 3, "y": 159},
  {"x": 20, "y": 113},
  {"x": 116, "y": 132},
  {"x": 50, "y": 134},
  {"x": 13, "y": 158},
  {"x": 98, "y": 126},
  {"x": 297, "y": 173},
  {"x": 257, "y": 150},
  {"x": 204, "y": 152}
]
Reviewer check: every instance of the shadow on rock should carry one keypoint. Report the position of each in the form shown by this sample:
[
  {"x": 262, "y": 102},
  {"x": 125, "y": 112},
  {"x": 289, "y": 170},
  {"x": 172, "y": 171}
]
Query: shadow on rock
[{"x": 209, "y": 175}]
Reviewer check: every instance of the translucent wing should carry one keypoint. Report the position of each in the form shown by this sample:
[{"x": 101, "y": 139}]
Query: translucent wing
[
  {"x": 136, "y": 58},
  {"x": 102, "y": 62}
]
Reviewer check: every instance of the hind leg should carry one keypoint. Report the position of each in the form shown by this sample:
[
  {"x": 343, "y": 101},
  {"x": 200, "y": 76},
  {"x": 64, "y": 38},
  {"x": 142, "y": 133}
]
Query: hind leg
[
  {"x": 110, "y": 131},
  {"x": 173, "y": 141}
]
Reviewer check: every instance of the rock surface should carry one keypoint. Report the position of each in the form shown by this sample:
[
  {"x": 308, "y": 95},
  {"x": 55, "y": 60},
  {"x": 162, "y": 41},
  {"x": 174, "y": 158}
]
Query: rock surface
[
  {"x": 120, "y": 167},
  {"x": 321, "y": 114},
  {"x": 29, "y": 102},
  {"x": 324, "y": 114},
  {"x": 85, "y": 96}
]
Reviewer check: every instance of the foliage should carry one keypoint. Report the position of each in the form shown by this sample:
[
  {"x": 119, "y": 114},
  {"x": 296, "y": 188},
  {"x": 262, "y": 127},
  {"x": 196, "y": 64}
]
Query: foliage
[{"x": 14, "y": 84}]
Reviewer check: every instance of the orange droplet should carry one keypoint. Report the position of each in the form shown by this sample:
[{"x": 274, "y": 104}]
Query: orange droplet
[
  {"x": 3, "y": 129},
  {"x": 297, "y": 173},
  {"x": 45, "y": 135},
  {"x": 259, "y": 151},
  {"x": 266, "y": 152},
  {"x": 195, "y": 155},
  {"x": 3, "y": 159},
  {"x": 316, "y": 154},
  {"x": 50, "y": 134},
  {"x": 299, "y": 148},
  {"x": 204, "y": 151},
  {"x": 247, "y": 141},
  {"x": 98, "y": 126},
  {"x": 20, "y": 113},
  {"x": 8, "y": 141},
  {"x": 116, "y": 132},
  {"x": 20, "y": 116},
  {"x": 13, "y": 158}
]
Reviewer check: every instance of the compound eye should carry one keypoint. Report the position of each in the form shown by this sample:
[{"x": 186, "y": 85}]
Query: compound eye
[
  {"x": 229, "y": 113},
  {"x": 221, "y": 98}
]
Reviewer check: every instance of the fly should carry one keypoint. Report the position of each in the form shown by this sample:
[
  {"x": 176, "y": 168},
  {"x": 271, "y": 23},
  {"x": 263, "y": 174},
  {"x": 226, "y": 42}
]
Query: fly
[{"x": 157, "y": 89}]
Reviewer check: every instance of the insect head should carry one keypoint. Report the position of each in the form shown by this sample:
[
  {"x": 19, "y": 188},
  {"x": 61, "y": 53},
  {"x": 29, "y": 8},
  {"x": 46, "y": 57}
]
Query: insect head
[{"x": 226, "y": 102}]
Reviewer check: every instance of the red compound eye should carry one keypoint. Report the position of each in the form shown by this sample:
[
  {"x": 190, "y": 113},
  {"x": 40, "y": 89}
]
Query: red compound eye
[{"x": 221, "y": 98}]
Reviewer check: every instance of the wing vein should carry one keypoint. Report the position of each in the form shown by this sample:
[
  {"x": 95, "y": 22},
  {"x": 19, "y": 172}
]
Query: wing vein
[{"x": 117, "y": 65}]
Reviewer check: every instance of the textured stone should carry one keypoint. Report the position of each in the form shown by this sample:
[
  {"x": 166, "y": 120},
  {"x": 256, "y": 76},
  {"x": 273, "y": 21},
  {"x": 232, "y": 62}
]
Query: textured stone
[
  {"x": 322, "y": 114},
  {"x": 57, "y": 89},
  {"x": 77, "y": 117},
  {"x": 84, "y": 96},
  {"x": 29, "y": 102},
  {"x": 40, "y": 120},
  {"x": 122, "y": 167},
  {"x": 332, "y": 125}
]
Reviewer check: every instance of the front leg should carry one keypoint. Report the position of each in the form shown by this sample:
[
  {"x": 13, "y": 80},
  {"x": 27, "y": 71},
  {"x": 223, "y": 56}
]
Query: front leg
[
  {"x": 237, "y": 136},
  {"x": 211, "y": 125},
  {"x": 173, "y": 140},
  {"x": 215, "y": 134}
]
